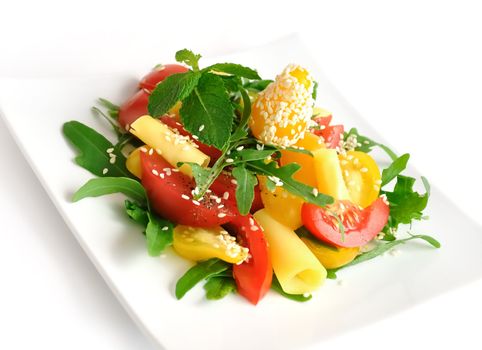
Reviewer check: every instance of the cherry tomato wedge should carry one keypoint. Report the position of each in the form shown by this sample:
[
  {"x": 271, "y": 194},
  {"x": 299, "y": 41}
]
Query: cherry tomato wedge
[
  {"x": 159, "y": 73},
  {"x": 133, "y": 108},
  {"x": 169, "y": 193},
  {"x": 224, "y": 183},
  {"x": 253, "y": 277},
  {"x": 361, "y": 225},
  {"x": 212, "y": 152},
  {"x": 330, "y": 133}
]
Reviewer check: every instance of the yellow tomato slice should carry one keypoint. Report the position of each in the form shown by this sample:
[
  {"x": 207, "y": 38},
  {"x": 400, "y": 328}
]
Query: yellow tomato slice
[
  {"x": 281, "y": 205},
  {"x": 362, "y": 177},
  {"x": 196, "y": 243},
  {"x": 330, "y": 257},
  {"x": 329, "y": 174}
]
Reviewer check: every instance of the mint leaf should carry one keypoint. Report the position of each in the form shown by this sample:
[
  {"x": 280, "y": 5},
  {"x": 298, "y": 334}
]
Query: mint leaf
[
  {"x": 285, "y": 175},
  {"x": 93, "y": 148},
  {"x": 234, "y": 69},
  {"x": 395, "y": 168},
  {"x": 246, "y": 181},
  {"x": 405, "y": 204},
  {"x": 108, "y": 185},
  {"x": 188, "y": 57},
  {"x": 276, "y": 286},
  {"x": 158, "y": 234},
  {"x": 174, "y": 88},
  {"x": 257, "y": 85},
  {"x": 197, "y": 273},
  {"x": 381, "y": 249},
  {"x": 136, "y": 212},
  {"x": 218, "y": 287},
  {"x": 208, "y": 109}
]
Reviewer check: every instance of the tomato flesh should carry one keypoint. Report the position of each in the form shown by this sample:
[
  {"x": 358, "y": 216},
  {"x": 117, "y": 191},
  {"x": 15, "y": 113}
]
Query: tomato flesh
[
  {"x": 160, "y": 73},
  {"x": 361, "y": 225},
  {"x": 171, "y": 196},
  {"x": 133, "y": 108},
  {"x": 253, "y": 277},
  {"x": 330, "y": 133}
]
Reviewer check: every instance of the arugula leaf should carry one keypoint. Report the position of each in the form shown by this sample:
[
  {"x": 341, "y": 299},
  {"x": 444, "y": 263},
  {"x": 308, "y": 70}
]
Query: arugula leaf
[
  {"x": 382, "y": 248},
  {"x": 276, "y": 286},
  {"x": 158, "y": 234},
  {"x": 246, "y": 110},
  {"x": 209, "y": 109},
  {"x": 250, "y": 154},
  {"x": 93, "y": 148},
  {"x": 188, "y": 57},
  {"x": 234, "y": 69},
  {"x": 218, "y": 287},
  {"x": 258, "y": 85},
  {"x": 197, "y": 273},
  {"x": 108, "y": 185},
  {"x": 246, "y": 181},
  {"x": 174, "y": 88},
  {"x": 395, "y": 168},
  {"x": 112, "y": 109},
  {"x": 405, "y": 204},
  {"x": 201, "y": 175},
  {"x": 366, "y": 144},
  {"x": 136, "y": 212},
  {"x": 285, "y": 174}
]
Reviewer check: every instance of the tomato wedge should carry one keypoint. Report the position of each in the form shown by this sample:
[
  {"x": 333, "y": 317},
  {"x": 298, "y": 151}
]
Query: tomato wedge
[
  {"x": 361, "y": 225},
  {"x": 212, "y": 152},
  {"x": 133, "y": 108},
  {"x": 169, "y": 193},
  {"x": 224, "y": 183},
  {"x": 330, "y": 133},
  {"x": 253, "y": 277},
  {"x": 159, "y": 73}
]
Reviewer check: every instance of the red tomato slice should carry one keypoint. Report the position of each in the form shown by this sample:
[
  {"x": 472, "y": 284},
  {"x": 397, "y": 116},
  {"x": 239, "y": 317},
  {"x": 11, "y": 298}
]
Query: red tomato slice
[
  {"x": 224, "y": 183},
  {"x": 253, "y": 277},
  {"x": 160, "y": 73},
  {"x": 212, "y": 152},
  {"x": 169, "y": 193},
  {"x": 133, "y": 108},
  {"x": 361, "y": 225},
  {"x": 330, "y": 133}
]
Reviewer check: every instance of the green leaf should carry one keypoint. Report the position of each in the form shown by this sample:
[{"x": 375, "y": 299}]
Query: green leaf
[
  {"x": 208, "y": 109},
  {"x": 112, "y": 108},
  {"x": 93, "y": 148},
  {"x": 382, "y": 248},
  {"x": 188, "y": 57},
  {"x": 108, "y": 185},
  {"x": 246, "y": 181},
  {"x": 174, "y": 88},
  {"x": 201, "y": 175},
  {"x": 276, "y": 286},
  {"x": 426, "y": 185},
  {"x": 234, "y": 69},
  {"x": 285, "y": 174},
  {"x": 250, "y": 154},
  {"x": 367, "y": 144},
  {"x": 158, "y": 234},
  {"x": 257, "y": 85},
  {"x": 315, "y": 90},
  {"x": 405, "y": 204},
  {"x": 197, "y": 273},
  {"x": 395, "y": 168},
  {"x": 246, "y": 109},
  {"x": 136, "y": 212},
  {"x": 218, "y": 287}
]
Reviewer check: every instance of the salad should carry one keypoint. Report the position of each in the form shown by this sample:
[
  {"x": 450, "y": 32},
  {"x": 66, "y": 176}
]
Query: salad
[{"x": 247, "y": 178}]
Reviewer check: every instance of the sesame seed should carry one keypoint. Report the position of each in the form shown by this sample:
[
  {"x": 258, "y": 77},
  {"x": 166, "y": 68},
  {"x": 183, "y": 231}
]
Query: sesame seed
[
  {"x": 225, "y": 195},
  {"x": 221, "y": 215},
  {"x": 104, "y": 171},
  {"x": 240, "y": 148},
  {"x": 366, "y": 142},
  {"x": 234, "y": 182},
  {"x": 315, "y": 192},
  {"x": 155, "y": 172},
  {"x": 254, "y": 228},
  {"x": 161, "y": 175},
  {"x": 229, "y": 160},
  {"x": 221, "y": 206},
  {"x": 195, "y": 137},
  {"x": 158, "y": 151},
  {"x": 201, "y": 128},
  {"x": 143, "y": 150},
  {"x": 183, "y": 196},
  {"x": 151, "y": 151},
  {"x": 110, "y": 150},
  {"x": 195, "y": 202},
  {"x": 112, "y": 159},
  {"x": 165, "y": 228}
]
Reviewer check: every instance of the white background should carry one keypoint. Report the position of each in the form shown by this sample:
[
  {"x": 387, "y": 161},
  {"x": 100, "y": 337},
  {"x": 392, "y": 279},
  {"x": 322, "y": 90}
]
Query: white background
[{"x": 412, "y": 68}]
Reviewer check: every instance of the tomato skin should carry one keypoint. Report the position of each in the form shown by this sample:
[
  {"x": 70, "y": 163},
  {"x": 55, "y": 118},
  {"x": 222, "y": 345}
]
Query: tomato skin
[
  {"x": 165, "y": 196},
  {"x": 157, "y": 75},
  {"x": 212, "y": 152},
  {"x": 330, "y": 133},
  {"x": 253, "y": 277},
  {"x": 324, "y": 227},
  {"x": 133, "y": 108},
  {"x": 224, "y": 183}
]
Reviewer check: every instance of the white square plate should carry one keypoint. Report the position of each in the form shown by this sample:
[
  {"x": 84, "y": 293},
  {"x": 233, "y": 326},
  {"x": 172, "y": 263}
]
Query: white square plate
[{"x": 35, "y": 111}]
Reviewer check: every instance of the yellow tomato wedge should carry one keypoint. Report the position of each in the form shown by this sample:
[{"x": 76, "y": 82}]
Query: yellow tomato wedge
[
  {"x": 329, "y": 174},
  {"x": 196, "y": 243},
  {"x": 281, "y": 113},
  {"x": 330, "y": 257},
  {"x": 281, "y": 205},
  {"x": 133, "y": 162},
  {"x": 306, "y": 174},
  {"x": 362, "y": 177}
]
